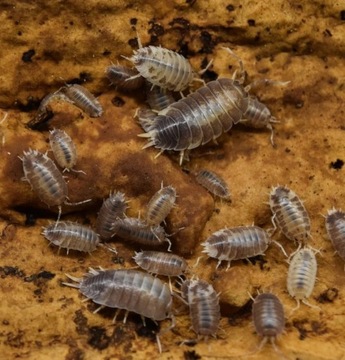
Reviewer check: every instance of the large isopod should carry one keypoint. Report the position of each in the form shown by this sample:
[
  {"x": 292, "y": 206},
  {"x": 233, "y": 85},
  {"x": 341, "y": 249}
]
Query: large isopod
[
  {"x": 83, "y": 99},
  {"x": 335, "y": 226},
  {"x": 161, "y": 263},
  {"x": 204, "y": 308},
  {"x": 236, "y": 243},
  {"x": 160, "y": 205},
  {"x": 130, "y": 290},
  {"x": 289, "y": 214},
  {"x": 268, "y": 318},
  {"x": 302, "y": 275},
  {"x": 113, "y": 208},
  {"x": 71, "y": 236}
]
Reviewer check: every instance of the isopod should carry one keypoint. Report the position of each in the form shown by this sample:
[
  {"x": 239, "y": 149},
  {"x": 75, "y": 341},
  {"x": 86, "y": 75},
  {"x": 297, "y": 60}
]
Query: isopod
[
  {"x": 133, "y": 229},
  {"x": 289, "y": 214},
  {"x": 335, "y": 226},
  {"x": 213, "y": 183},
  {"x": 162, "y": 67},
  {"x": 45, "y": 179},
  {"x": 236, "y": 243},
  {"x": 71, "y": 236},
  {"x": 124, "y": 78},
  {"x": 160, "y": 205},
  {"x": 161, "y": 263},
  {"x": 64, "y": 150},
  {"x": 203, "y": 305},
  {"x": 200, "y": 117},
  {"x": 113, "y": 208},
  {"x": 130, "y": 290},
  {"x": 268, "y": 318},
  {"x": 83, "y": 99},
  {"x": 302, "y": 275},
  {"x": 159, "y": 98}
]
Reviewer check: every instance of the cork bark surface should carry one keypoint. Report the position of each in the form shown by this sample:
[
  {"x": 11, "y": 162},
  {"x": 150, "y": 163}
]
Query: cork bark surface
[{"x": 45, "y": 45}]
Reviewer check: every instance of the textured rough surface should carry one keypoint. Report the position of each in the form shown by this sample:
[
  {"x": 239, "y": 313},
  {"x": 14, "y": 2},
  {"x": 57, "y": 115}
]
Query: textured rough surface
[{"x": 45, "y": 45}]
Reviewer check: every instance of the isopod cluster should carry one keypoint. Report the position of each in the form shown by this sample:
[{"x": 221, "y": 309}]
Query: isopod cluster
[{"x": 177, "y": 122}]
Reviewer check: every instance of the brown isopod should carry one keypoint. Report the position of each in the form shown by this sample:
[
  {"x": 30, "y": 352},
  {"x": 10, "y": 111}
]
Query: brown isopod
[
  {"x": 301, "y": 276},
  {"x": 289, "y": 214},
  {"x": 113, "y": 208},
  {"x": 83, "y": 99},
  {"x": 268, "y": 318},
  {"x": 335, "y": 226},
  {"x": 236, "y": 243},
  {"x": 160, "y": 205},
  {"x": 71, "y": 236},
  {"x": 137, "y": 231},
  {"x": 204, "y": 308},
  {"x": 161, "y": 263},
  {"x": 64, "y": 150},
  {"x": 130, "y": 290},
  {"x": 124, "y": 78},
  {"x": 213, "y": 183},
  {"x": 162, "y": 67},
  {"x": 46, "y": 180},
  {"x": 199, "y": 117}
]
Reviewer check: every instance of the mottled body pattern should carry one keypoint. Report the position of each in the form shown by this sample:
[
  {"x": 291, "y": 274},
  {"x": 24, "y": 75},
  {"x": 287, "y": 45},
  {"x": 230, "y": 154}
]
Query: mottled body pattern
[
  {"x": 63, "y": 148},
  {"x": 335, "y": 226},
  {"x": 213, "y": 183}
]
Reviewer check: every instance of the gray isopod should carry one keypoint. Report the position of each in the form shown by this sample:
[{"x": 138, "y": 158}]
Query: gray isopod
[
  {"x": 289, "y": 214},
  {"x": 236, "y": 243},
  {"x": 137, "y": 231},
  {"x": 268, "y": 318},
  {"x": 335, "y": 226},
  {"x": 204, "y": 307},
  {"x": 83, "y": 99},
  {"x": 113, "y": 208},
  {"x": 161, "y": 263},
  {"x": 124, "y": 78},
  {"x": 160, "y": 205},
  {"x": 130, "y": 290},
  {"x": 163, "y": 67},
  {"x": 64, "y": 150},
  {"x": 302, "y": 275},
  {"x": 213, "y": 183},
  {"x": 71, "y": 236}
]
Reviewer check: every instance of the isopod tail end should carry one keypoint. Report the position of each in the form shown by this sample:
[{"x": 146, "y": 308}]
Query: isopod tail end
[{"x": 75, "y": 279}]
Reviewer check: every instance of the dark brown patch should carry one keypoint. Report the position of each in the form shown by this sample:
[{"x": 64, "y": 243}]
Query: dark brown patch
[
  {"x": 27, "y": 56},
  {"x": 191, "y": 355},
  {"x": 337, "y": 165},
  {"x": 98, "y": 338},
  {"x": 328, "y": 296}
]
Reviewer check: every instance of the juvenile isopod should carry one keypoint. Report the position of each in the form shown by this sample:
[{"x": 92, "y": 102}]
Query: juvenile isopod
[
  {"x": 137, "y": 231},
  {"x": 302, "y": 275},
  {"x": 162, "y": 67},
  {"x": 45, "y": 179},
  {"x": 83, "y": 99},
  {"x": 200, "y": 117},
  {"x": 203, "y": 305},
  {"x": 113, "y": 208},
  {"x": 161, "y": 263},
  {"x": 335, "y": 226},
  {"x": 160, "y": 205},
  {"x": 268, "y": 318},
  {"x": 213, "y": 183},
  {"x": 71, "y": 236},
  {"x": 236, "y": 243},
  {"x": 64, "y": 150},
  {"x": 289, "y": 214},
  {"x": 130, "y": 290},
  {"x": 124, "y": 78},
  {"x": 159, "y": 98}
]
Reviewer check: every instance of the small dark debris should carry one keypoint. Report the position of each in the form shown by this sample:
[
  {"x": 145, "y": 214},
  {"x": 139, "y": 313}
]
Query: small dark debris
[
  {"x": 208, "y": 43},
  {"x": 191, "y": 355},
  {"x": 98, "y": 338},
  {"x": 118, "y": 260},
  {"x": 28, "y": 55},
  {"x": 337, "y": 165},
  {"x": 342, "y": 15},
  {"x": 133, "y": 43},
  {"x": 251, "y": 22},
  {"x": 300, "y": 326},
  {"x": 19, "y": 33},
  {"x": 74, "y": 353},
  {"x": 5, "y": 322},
  {"x": 180, "y": 21},
  {"x": 81, "y": 322},
  {"x": 31, "y": 104},
  {"x": 117, "y": 101},
  {"x": 230, "y": 7},
  {"x": 46, "y": 275},
  {"x": 38, "y": 292},
  {"x": 30, "y": 219},
  {"x": 327, "y": 33},
  {"x": 328, "y": 296},
  {"x": 106, "y": 52},
  {"x": 149, "y": 331},
  {"x": 156, "y": 29},
  {"x": 133, "y": 21},
  {"x": 12, "y": 271},
  {"x": 15, "y": 340},
  {"x": 83, "y": 78}
]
